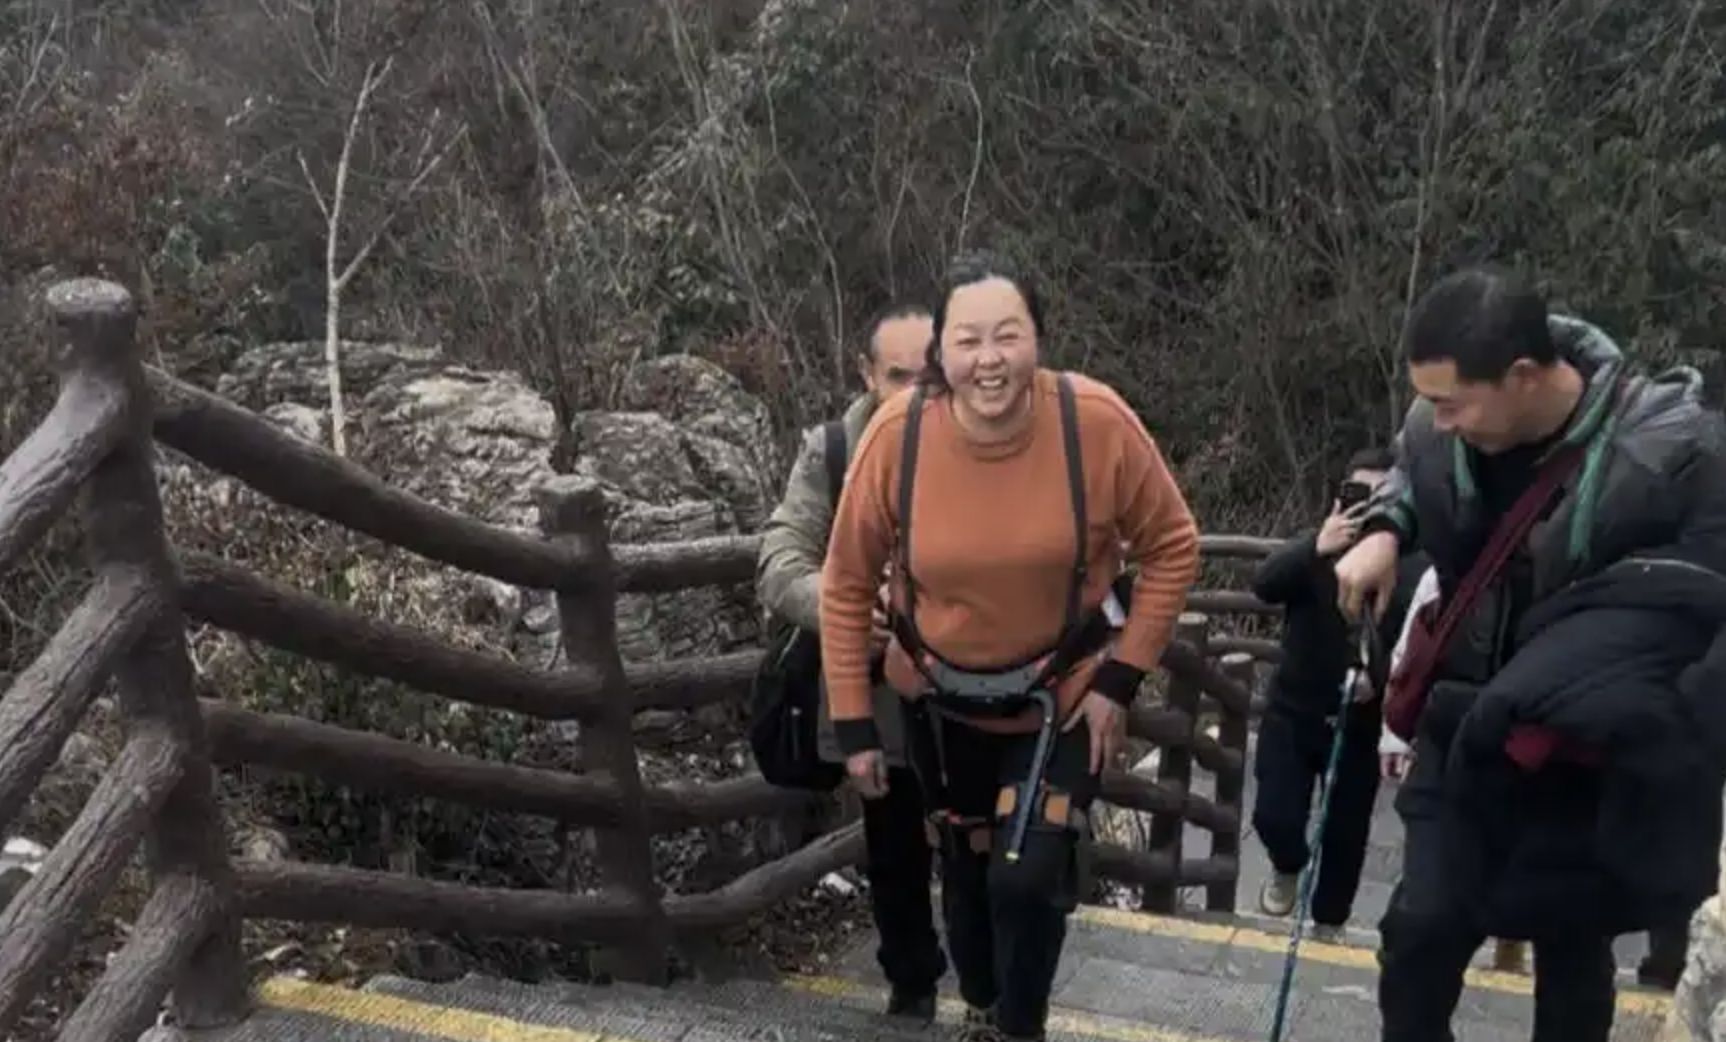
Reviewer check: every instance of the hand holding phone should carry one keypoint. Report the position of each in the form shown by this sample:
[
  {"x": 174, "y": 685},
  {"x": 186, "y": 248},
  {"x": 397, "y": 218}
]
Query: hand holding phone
[{"x": 1340, "y": 529}]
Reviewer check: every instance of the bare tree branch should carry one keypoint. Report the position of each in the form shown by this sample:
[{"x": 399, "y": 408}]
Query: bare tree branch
[
  {"x": 312, "y": 183},
  {"x": 427, "y": 168},
  {"x": 338, "y": 275},
  {"x": 976, "y": 151}
]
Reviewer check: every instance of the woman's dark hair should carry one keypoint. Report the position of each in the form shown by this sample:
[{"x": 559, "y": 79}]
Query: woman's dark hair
[{"x": 968, "y": 269}]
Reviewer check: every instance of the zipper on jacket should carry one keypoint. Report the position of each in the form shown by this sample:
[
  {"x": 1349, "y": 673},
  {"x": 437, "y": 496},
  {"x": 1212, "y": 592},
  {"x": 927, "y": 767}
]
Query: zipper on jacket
[{"x": 1672, "y": 562}]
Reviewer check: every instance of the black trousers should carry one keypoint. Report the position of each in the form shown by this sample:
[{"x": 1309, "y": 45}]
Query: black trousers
[
  {"x": 1427, "y": 942},
  {"x": 898, "y": 868},
  {"x": 1668, "y": 949},
  {"x": 1006, "y": 921},
  {"x": 1292, "y": 752}
]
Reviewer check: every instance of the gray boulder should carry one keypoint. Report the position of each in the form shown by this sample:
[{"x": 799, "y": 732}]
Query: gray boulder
[{"x": 688, "y": 453}]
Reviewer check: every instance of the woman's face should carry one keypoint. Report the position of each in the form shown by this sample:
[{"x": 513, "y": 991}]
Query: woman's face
[{"x": 989, "y": 353}]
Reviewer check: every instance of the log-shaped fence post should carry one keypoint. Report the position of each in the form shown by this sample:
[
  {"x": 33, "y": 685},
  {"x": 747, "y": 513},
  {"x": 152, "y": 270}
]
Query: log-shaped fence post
[
  {"x": 1231, "y": 784},
  {"x": 572, "y": 509},
  {"x": 123, "y": 523},
  {"x": 1175, "y": 766}
]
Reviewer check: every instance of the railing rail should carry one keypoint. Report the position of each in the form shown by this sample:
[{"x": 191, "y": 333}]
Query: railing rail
[
  {"x": 50, "y": 697},
  {"x": 39, "y": 480},
  {"x": 131, "y": 625},
  {"x": 227, "y": 596},
  {"x": 232, "y": 441}
]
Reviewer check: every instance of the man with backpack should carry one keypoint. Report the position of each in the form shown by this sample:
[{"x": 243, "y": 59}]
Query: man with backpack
[
  {"x": 1562, "y": 695},
  {"x": 788, "y": 581}
]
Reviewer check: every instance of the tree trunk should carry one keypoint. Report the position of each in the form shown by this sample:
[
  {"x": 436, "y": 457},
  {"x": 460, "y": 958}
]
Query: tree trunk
[{"x": 333, "y": 355}]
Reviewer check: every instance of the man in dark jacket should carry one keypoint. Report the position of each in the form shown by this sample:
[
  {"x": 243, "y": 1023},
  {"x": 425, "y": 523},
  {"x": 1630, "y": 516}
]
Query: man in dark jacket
[
  {"x": 1504, "y": 388},
  {"x": 1319, "y": 651}
]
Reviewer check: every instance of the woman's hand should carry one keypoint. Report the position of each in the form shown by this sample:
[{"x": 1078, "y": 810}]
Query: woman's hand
[
  {"x": 868, "y": 771},
  {"x": 1106, "y": 720}
]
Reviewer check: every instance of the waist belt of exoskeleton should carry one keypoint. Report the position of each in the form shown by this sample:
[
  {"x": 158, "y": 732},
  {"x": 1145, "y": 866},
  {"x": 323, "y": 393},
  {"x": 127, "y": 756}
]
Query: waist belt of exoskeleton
[{"x": 1004, "y": 691}]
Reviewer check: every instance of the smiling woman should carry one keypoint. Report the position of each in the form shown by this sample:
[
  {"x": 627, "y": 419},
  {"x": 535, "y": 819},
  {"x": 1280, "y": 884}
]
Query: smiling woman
[
  {"x": 1027, "y": 490},
  {"x": 985, "y": 347}
]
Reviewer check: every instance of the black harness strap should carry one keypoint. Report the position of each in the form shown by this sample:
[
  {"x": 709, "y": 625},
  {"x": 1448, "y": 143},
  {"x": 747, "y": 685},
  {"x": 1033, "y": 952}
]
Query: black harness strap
[
  {"x": 1076, "y": 633},
  {"x": 907, "y": 478},
  {"x": 1013, "y": 689},
  {"x": 1081, "y": 523}
]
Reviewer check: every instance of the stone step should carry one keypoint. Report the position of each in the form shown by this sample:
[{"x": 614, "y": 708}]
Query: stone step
[
  {"x": 1218, "y": 978},
  {"x": 636, "y": 1013},
  {"x": 1124, "y": 977}
]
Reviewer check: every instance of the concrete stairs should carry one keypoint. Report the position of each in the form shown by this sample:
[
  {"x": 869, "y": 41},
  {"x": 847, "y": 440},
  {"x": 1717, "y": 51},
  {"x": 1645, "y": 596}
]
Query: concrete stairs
[{"x": 1124, "y": 978}]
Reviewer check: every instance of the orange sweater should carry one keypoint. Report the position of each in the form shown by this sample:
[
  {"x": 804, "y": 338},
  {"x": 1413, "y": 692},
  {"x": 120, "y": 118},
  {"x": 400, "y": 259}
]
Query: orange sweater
[{"x": 992, "y": 543}]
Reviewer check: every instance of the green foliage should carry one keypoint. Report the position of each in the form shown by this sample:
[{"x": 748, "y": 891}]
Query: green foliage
[{"x": 1225, "y": 210}]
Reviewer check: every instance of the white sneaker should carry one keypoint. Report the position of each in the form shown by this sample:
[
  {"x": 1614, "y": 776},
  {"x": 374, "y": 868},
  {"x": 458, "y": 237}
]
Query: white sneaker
[
  {"x": 1278, "y": 894},
  {"x": 1329, "y": 933}
]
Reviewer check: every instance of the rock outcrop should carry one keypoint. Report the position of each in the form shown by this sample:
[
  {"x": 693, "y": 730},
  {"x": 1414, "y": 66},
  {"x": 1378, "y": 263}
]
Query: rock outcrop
[
  {"x": 685, "y": 453},
  {"x": 1699, "y": 1006},
  {"x": 688, "y": 453}
]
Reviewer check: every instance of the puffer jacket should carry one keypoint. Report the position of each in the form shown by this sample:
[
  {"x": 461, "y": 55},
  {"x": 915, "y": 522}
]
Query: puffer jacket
[
  {"x": 1653, "y": 473},
  {"x": 1621, "y": 828}
]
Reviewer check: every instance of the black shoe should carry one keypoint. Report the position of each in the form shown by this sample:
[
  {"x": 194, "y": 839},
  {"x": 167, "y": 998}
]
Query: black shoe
[
  {"x": 919, "y": 1006},
  {"x": 978, "y": 1026}
]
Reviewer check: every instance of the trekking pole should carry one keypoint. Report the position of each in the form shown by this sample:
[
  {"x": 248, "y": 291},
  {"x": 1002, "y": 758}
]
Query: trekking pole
[{"x": 1315, "y": 832}]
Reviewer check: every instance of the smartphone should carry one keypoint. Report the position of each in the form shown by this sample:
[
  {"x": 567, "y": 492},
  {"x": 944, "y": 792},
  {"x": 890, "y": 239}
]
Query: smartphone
[{"x": 1353, "y": 493}]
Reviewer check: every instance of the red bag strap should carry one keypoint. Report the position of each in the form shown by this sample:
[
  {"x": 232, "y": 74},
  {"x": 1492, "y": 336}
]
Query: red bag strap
[{"x": 1511, "y": 530}]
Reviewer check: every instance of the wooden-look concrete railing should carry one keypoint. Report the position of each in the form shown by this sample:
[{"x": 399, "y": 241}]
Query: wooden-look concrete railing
[
  {"x": 131, "y": 626},
  {"x": 128, "y": 627}
]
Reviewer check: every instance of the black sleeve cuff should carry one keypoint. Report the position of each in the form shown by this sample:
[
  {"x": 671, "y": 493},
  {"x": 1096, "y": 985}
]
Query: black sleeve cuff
[
  {"x": 1118, "y": 681},
  {"x": 1382, "y": 523},
  {"x": 856, "y": 736}
]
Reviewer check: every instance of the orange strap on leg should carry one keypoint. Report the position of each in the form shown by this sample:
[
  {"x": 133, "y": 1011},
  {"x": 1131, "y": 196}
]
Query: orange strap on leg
[
  {"x": 979, "y": 832},
  {"x": 1058, "y": 809}
]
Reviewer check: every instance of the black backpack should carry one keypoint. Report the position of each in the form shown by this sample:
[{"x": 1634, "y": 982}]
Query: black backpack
[{"x": 784, "y": 700}]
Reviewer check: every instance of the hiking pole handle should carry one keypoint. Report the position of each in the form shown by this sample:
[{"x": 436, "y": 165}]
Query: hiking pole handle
[{"x": 1365, "y": 638}]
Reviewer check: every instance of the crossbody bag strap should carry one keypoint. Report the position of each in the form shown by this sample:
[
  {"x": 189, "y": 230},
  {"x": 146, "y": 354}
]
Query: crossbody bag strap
[{"x": 1511, "y": 531}]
